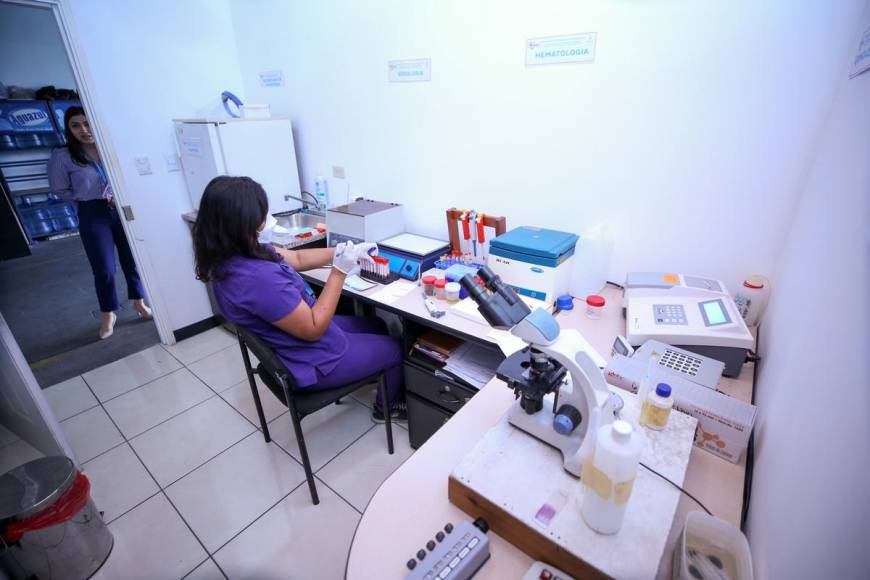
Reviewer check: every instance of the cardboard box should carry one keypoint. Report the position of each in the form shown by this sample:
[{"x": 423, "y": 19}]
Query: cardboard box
[{"x": 724, "y": 423}]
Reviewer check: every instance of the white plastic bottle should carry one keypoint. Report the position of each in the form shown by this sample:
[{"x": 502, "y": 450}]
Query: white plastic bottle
[
  {"x": 751, "y": 298},
  {"x": 321, "y": 191},
  {"x": 608, "y": 476},
  {"x": 657, "y": 407}
]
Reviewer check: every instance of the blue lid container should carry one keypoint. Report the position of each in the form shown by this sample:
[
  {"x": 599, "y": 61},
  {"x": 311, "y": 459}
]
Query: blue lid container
[
  {"x": 534, "y": 245},
  {"x": 663, "y": 390}
]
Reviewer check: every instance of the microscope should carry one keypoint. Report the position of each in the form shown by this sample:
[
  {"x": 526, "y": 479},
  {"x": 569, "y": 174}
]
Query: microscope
[{"x": 562, "y": 398}]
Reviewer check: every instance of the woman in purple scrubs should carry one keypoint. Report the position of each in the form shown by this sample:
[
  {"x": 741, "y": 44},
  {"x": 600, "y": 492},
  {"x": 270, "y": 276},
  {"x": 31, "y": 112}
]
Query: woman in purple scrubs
[
  {"x": 76, "y": 171},
  {"x": 257, "y": 287}
]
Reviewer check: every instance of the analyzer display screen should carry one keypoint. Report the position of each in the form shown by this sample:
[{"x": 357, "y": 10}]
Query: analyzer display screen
[{"x": 714, "y": 313}]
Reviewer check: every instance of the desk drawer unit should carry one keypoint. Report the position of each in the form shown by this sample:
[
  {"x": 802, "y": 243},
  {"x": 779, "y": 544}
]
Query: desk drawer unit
[{"x": 433, "y": 397}]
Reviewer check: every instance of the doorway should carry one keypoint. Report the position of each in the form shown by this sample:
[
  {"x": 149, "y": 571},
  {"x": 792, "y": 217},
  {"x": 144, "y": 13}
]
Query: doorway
[{"x": 47, "y": 285}]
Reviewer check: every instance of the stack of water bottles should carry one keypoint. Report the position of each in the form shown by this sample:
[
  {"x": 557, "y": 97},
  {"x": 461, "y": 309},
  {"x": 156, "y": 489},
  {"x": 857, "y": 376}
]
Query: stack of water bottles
[{"x": 46, "y": 214}]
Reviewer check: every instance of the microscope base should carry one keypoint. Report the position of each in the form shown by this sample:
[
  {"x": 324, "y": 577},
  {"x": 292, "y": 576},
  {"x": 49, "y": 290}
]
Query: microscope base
[{"x": 575, "y": 447}]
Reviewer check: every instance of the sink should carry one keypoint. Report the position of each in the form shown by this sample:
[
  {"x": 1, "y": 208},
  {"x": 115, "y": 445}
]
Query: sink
[
  {"x": 300, "y": 221},
  {"x": 298, "y": 224}
]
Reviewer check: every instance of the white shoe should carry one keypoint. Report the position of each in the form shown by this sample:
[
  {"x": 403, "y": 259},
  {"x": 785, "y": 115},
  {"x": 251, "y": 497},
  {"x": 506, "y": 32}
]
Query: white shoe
[
  {"x": 107, "y": 325},
  {"x": 142, "y": 309}
]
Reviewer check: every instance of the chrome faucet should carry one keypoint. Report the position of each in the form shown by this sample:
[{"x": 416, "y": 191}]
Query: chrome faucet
[{"x": 305, "y": 204}]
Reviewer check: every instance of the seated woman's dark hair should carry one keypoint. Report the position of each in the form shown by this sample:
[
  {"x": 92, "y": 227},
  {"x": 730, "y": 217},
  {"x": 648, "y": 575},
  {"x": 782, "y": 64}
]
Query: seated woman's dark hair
[{"x": 230, "y": 213}]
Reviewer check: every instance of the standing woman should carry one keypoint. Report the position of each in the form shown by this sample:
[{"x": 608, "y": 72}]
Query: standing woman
[{"x": 76, "y": 171}]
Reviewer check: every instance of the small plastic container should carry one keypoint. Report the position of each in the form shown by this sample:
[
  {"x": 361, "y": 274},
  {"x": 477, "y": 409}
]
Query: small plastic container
[
  {"x": 439, "y": 288},
  {"x": 608, "y": 476},
  {"x": 657, "y": 407},
  {"x": 451, "y": 291},
  {"x": 752, "y": 297},
  {"x": 428, "y": 285},
  {"x": 564, "y": 303},
  {"x": 594, "y": 306},
  {"x": 711, "y": 548}
]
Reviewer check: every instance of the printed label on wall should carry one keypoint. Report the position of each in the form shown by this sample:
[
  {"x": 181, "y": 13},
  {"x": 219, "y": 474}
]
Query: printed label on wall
[
  {"x": 272, "y": 78},
  {"x": 410, "y": 71},
  {"x": 862, "y": 57},
  {"x": 192, "y": 146},
  {"x": 569, "y": 48}
]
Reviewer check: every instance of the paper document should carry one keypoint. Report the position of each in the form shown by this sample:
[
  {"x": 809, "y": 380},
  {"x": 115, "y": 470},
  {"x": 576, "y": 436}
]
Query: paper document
[
  {"x": 393, "y": 291},
  {"x": 474, "y": 364},
  {"x": 467, "y": 308},
  {"x": 358, "y": 284}
]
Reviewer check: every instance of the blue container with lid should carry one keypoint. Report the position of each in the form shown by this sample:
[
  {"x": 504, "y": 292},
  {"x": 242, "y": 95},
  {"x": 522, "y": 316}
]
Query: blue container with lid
[{"x": 534, "y": 245}]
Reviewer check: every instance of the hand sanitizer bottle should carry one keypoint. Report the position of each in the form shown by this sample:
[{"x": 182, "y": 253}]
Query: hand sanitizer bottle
[{"x": 321, "y": 191}]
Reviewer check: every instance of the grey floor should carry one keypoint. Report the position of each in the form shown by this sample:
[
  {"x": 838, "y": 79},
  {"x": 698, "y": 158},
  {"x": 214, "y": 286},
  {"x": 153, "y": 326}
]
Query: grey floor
[{"x": 49, "y": 303}]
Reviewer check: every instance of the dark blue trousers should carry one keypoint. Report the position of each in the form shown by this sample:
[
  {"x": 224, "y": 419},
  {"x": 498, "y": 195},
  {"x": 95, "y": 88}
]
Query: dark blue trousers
[{"x": 101, "y": 231}]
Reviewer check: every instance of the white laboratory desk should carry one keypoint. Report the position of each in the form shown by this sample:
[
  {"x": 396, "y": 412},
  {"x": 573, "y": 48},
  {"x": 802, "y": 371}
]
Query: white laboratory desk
[{"x": 412, "y": 504}]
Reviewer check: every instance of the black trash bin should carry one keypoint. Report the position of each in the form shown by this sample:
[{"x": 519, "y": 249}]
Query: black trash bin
[{"x": 49, "y": 526}]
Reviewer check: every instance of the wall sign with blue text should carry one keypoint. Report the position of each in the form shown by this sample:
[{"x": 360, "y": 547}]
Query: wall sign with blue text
[
  {"x": 271, "y": 78},
  {"x": 568, "y": 48},
  {"x": 410, "y": 71}
]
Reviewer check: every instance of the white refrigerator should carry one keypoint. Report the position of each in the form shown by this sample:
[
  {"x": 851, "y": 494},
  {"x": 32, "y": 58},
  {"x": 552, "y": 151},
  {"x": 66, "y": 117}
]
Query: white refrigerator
[{"x": 261, "y": 149}]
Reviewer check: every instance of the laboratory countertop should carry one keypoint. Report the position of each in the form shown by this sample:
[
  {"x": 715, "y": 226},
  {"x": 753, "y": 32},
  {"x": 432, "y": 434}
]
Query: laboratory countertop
[{"x": 386, "y": 533}]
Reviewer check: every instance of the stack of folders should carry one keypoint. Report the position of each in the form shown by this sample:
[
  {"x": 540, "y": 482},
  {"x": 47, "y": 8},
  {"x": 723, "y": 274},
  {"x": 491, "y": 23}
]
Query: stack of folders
[
  {"x": 470, "y": 363},
  {"x": 437, "y": 346}
]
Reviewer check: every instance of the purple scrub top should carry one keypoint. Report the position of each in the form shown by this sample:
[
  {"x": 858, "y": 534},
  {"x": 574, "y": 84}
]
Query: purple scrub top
[{"x": 255, "y": 293}]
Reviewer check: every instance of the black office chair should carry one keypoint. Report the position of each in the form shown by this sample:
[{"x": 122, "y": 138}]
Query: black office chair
[{"x": 300, "y": 402}]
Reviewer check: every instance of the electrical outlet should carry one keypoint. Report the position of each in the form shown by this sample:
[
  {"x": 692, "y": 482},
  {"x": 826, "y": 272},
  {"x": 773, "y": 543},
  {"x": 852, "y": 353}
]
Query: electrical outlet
[
  {"x": 143, "y": 165},
  {"x": 338, "y": 172}
]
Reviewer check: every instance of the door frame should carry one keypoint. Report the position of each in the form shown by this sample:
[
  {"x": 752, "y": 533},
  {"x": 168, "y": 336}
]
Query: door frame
[{"x": 90, "y": 101}]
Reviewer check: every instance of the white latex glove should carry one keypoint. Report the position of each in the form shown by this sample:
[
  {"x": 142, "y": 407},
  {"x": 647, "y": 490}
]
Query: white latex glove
[
  {"x": 366, "y": 250},
  {"x": 346, "y": 258}
]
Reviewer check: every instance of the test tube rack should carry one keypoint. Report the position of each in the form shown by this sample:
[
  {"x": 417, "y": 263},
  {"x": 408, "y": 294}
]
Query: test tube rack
[{"x": 378, "y": 270}]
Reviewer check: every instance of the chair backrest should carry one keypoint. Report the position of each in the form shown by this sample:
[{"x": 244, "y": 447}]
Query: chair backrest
[{"x": 265, "y": 354}]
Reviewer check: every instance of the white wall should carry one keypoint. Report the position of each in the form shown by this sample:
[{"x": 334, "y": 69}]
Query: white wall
[
  {"x": 810, "y": 506},
  {"x": 152, "y": 62},
  {"x": 32, "y": 54},
  {"x": 691, "y": 131}
]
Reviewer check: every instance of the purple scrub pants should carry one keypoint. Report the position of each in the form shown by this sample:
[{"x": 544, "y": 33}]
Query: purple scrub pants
[
  {"x": 100, "y": 230},
  {"x": 369, "y": 350}
]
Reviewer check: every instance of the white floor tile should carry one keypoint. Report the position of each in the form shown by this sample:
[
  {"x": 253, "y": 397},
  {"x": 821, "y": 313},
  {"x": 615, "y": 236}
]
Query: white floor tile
[
  {"x": 145, "y": 407},
  {"x": 295, "y": 539},
  {"x": 222, "y": 369},
  {"x": 130, "y": 372},
  {"x": 118, "y": 481},
  {"x": 200, "y": 346},
  {"x": 208, "y": 570},
  {"x": 229, "y": 492},
  {"x": 240, "y": 397},
  {"x": 183, "y": 443},
  {"x": 16, "y": 453},
  {"x": 70, "y": 398},
  {"x": 151, "y": 542},
  {"x": 326, "y": 432},
  {"x": 358, "y": 471},
  {"x": 91, "y": 433}
]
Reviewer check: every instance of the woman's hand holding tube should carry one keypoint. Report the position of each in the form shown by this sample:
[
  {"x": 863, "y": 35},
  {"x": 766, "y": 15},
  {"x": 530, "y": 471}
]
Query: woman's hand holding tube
[{"x": 346, "y": 258}]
